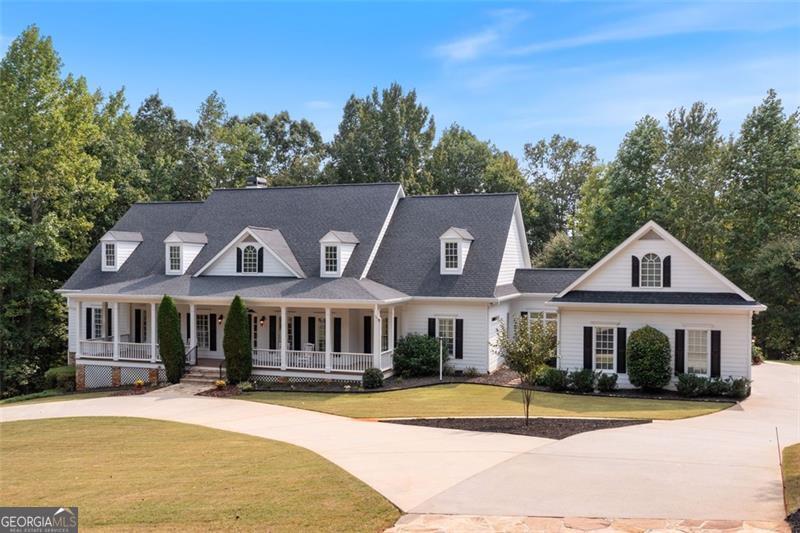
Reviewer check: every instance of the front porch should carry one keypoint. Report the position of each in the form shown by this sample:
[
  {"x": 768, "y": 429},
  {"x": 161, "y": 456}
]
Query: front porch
[{"x": 298, "y": 341}]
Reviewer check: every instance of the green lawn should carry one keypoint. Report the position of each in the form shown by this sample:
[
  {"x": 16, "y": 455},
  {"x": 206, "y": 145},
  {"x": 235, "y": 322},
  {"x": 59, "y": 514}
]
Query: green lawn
[
  {"x": 127, "y": 473},
  {"x": 791, "y": 477},
  {"x": 465, "y": 399},
  {"x": 53, "y": 395}
]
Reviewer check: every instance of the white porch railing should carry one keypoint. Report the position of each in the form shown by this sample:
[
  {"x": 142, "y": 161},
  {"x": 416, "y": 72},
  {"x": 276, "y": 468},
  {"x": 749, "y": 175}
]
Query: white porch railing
[
  {"x": 305, "y": 360},
  {"x": 134, "y": 351},
  {"x": 98, "y": 349},
  {"x": 387, "y": 360},
  {"x": 350, "y": 361},
  {"x": 263, "y": 358}
]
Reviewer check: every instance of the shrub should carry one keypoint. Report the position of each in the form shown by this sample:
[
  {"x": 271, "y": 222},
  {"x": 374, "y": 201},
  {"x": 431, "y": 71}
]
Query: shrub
[
  {"x": 649, "y": 361},
  {"x": 372, "y": 378},
  {"x": 246, "y": 386},
  {"x": 238, "y": 350},
  {"x": 757, "y": 355},
  {"x": 417, "y": 355},
  {"x": 555, "y": 380},
  {"x": 739, "y": 388},
  {"x": 471, "y": 372},
  {"x": 583, "y": 380},
  {"x": 718, "y": 387},
  {"x": 691, "y": 385},
  {"x": 60, "y": 377},
  {"x": 607, "y": 382},
  {"x": 170, "y": 343}
]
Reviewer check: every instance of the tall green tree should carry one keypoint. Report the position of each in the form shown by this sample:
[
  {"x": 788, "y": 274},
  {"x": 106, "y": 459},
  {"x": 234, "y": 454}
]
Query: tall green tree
[
  {"x": 385, "y": 137},
  {"x": 170, "y": 342},
  {"x": 458, "y": 163},
  {"x": 236, "y": 343},
  {"x": 557, "y": 168},
  {"x": 49, "y": 198}
]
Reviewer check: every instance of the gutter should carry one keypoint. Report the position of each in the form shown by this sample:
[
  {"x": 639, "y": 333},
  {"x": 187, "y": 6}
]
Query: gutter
[{"x": 757, "y": 307}]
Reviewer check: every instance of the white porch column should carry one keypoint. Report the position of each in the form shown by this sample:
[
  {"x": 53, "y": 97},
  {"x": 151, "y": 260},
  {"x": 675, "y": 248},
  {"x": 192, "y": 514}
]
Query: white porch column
[
  {"x": 104, "y": 315},
  {"x": 115, "y": 328},
  {"x": 152, "y": 332},
  {"x": 79, "y": 335},
  {"x": 284, "y": 337},
  {"x": 328, "y": 339},
  {"x": 376, "y": 337},
  {"x": 391, "y": 328},
  {"x": 192, "y": 340}
]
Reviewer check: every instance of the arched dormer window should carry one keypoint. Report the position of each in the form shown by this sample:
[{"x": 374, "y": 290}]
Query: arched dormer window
[
  {"x": 651, "y": 271},
  {"x": 249, "y": 259}
]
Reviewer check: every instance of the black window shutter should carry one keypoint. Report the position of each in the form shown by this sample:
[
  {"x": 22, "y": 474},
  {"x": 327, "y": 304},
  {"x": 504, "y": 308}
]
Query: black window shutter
[
  {"x": 587, "y": 347},
  {"x": 431, "y": 327},
  {"x": 188, "y": 325},
  {"x": 261, "y": 259},
  {"x": 273, "y": 332},
  {"x": 716, "y": 353},
  {"x": 137, "y": 325},
  {"x": 459, "y": 338},
  {"x": 337, "y": 334},
  {"x": 634, "y": 271},
  {"x": 622, "y": 347},
  {"x": 238, "y": 260},
  {"x": 212, "y": 332},
  {"x": 680, "y": 343},
  {"x": 523, "y": 314},
  {"x": 89, "y": 323},
  {"x": 109, "y": 330},
  {"x": 297, "y": 333},
  {"x": 312, "y": 330},
  {"x": 367, "y": 334},
  {"x": 666, "y": 272},
  {"x": 395, "y": 331}
]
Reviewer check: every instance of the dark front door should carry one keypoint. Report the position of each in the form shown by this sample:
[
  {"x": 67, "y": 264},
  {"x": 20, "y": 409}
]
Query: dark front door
[{"x": 137, "y": 325}]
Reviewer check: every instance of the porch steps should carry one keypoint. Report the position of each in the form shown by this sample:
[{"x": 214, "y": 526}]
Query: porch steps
[{"x": 202, "y": 376}]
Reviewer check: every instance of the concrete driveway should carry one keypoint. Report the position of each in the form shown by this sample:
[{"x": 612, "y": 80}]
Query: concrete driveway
[{"x": 718, "y": 466}]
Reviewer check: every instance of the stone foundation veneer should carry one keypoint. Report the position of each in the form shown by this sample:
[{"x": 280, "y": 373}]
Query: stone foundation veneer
[
  {"x": 80, "y": 377},
  {"x": 152, "y": 376}
]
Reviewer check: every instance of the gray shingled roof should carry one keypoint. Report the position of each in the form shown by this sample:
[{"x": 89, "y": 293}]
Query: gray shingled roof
[
  {"x": 655, "y": 297},
  {"x": 273, "y": 238},
  {"x": 129, "y": 236},
  {"x": 545, "y": 280},
  {"x": 346, "y": 237},
  {"x": 185, "y": 236},
  {"x": 408, "y": 259},
  {"x": 302, "y": 214}
]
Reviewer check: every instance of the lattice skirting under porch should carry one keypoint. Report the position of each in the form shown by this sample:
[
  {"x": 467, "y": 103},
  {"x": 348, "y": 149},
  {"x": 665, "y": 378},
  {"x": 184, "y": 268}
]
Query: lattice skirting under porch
[
  {"x": 129, "y": 375},
  {"x": 297, "y": 379},
  {"x": 97, "y": 376}
]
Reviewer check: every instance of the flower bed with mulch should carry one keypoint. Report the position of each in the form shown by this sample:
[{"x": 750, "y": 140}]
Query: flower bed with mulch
[
  {"x": 133, "y": 390},
  {"x": 224, "y": 392},
  {"x": 549, "y": 428}
]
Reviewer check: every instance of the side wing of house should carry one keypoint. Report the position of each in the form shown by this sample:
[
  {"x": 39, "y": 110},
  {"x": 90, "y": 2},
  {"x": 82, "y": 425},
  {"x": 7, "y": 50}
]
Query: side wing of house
[{"x": 652, "y": 279}]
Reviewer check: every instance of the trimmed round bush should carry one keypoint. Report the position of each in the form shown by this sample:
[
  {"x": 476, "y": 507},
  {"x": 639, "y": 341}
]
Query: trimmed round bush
[
  {"x": 417, "y": 355},
  {"x": 60, "y": 377},
  {"x": 739, "y": 388},
  {"x": 649, "y": 361},
  {"x": 372, "y": 378},
  {"x": 236, "y": 343},
  {"x": 170, "y": 343},
  {"x": 607, "y": 382},
  {"x": 555, "y": 380},
  {"x": 583, "y": 380}
]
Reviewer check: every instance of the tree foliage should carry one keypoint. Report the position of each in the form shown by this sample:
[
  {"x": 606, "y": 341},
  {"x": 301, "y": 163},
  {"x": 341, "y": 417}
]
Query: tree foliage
[
  {"x": 526, "y": 352},
  {"x": 236, "y": 343},
  {"x": 170, "y": 343}
]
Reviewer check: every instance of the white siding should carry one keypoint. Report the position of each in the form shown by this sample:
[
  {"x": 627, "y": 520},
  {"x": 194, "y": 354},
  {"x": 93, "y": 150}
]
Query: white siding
[
  {"x": 687, "y": 274},
  {"x": 124, "y": 251},
  {"x": 345, "y": 251},
  {"x": 124, "y": 319},
  {"x": 513, "y": 255},
  {"x": 72, "y": 325},
  {"x": 498, "y": 316},
  {"x": 226, "y": 265},
  {"x": 734, "y": 336},
  {"x": 476, "y": 339}
]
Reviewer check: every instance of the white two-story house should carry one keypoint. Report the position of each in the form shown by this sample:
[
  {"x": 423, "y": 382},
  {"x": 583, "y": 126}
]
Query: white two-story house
[{"x": 334, "y": 275}]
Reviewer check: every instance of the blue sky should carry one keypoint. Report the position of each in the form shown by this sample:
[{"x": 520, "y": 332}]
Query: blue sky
[{"x": 511, "y": 73}]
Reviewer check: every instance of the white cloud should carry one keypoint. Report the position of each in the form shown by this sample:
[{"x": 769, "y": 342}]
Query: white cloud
[{"x": 480, "y": 43}]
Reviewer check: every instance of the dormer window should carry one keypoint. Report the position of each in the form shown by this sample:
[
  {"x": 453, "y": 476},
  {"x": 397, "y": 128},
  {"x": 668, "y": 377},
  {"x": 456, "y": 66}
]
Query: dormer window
[
  {"x": 111, "y": 255},
  {"x": 651, "y": 271},
  {"x": 180, "y": 250},
  {"x": 331, "y": 259},
  {"x": 175, "y": 258},
  {"x": 250, "y": 259},
  {"x": 455, "y": 244}
]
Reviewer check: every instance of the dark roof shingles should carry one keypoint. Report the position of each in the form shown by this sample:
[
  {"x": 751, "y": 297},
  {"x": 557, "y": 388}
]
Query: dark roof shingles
[
  {"x": 545, "y": 280},
  {"x": 654, "y": 298}
]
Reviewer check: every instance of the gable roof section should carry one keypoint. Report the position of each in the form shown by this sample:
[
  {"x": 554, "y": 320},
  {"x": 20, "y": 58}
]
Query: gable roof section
[
  {"x": 654, "y": 298},
  {"x": 545, "y": 280},
  {"x": 408, "y": 258},
  {"x": 457, "y": 233},
  {"x": 185, "y": 236},
  {"x": 130, "y": 236},
  {"x": 271, "y": 239},
  {"x": 651, "y": 226},
  {"x": 344, "y": 237}
]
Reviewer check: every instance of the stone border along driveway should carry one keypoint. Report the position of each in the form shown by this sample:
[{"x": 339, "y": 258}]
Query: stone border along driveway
[{"x": 714, "y": 467}]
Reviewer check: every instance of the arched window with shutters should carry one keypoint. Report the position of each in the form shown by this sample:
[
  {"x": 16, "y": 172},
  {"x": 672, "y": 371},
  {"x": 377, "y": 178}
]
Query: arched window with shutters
[
  {"x": 249, "y": 259},
  {"x": 650, "y": 271}
]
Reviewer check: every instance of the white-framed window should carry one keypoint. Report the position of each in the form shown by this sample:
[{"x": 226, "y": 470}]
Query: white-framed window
[
  {"x": 604, "y": 348},
  {"x": 698, "y": 352},
  {"x": 175, "y": 258},
  {"x": 446, "y": 330},
  {"x": 249, "y": 259},
  {"x": 384, "y": 333},
  {"x": 650, "y": 271},
  {"x": 254, "y": 331},
  {"x": 202, "y": 329},
  {"x": 331, "y": 259},
  {"x": 111, "y": 254},
  {"x": 451, "y": 255},
  {"x": 547, "y": 318},
  {"x": 320, "y": 334},
  {"x": 97, "y": 322}
]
